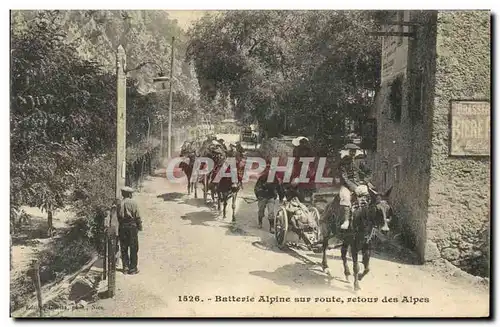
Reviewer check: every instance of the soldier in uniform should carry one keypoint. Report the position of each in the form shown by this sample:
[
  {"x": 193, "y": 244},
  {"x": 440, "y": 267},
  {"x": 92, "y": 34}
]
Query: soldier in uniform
[
  {"x": 267, "y": 193},
  {"x": 130, "y": 223},
  {"x": 302, "y": 147},
  {"x": 239, "y": 148},
  {"x": 223, "y": 144},
  {"x": 187, "y": 148},
  {"x": 354, "y": 176},
  {"x": 302, "y": 150}
]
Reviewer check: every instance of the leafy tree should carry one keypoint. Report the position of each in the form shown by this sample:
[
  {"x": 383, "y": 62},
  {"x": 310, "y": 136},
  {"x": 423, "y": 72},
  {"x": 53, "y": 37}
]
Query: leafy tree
[
  {"x": 58, "y": 114},
  {"x": 63, "y": 114},
  {"x": 293, "y": 71}
]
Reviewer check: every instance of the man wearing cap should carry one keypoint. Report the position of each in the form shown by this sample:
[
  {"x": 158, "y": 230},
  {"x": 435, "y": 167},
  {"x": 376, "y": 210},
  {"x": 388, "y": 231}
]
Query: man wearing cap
[
  {"x": 130, "y": 223},
  {"x": 187, "y": 148},
  {"x": 354, "y": 178},
  {"x": 302, "y": 150},
  {"x": 239, "y": 148},
  {"x": 266, "y": 193},
  {"x": 223, "y": 144}
]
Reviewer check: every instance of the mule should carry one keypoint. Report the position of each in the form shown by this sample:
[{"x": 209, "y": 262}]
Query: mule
[
  {"x": 188, "y": 168},
  {"x": 226, "y": 189},
  {"x": 207, "y": 179},
  {"x": 367, "y": 215}
]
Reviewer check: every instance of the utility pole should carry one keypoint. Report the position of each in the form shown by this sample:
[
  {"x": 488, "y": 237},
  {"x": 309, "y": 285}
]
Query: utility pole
[
  {"x": 161, "y": 139},
  {"x": 121, "y": 120},
  {"x": 169, "y": 154}
]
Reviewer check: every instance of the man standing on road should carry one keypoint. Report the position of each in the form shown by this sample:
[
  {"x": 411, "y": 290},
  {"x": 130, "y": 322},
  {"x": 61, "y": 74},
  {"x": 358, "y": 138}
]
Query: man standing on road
[
  {"x": 130, "y": 224},
  {"x": 266, "y": 193}
]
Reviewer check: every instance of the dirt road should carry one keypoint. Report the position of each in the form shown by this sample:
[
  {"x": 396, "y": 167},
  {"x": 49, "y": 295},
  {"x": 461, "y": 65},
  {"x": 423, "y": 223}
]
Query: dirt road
[{"x": 191, "y": 261}]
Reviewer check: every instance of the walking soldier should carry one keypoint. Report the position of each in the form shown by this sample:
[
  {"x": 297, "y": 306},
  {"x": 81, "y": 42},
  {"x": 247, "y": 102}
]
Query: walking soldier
[{"x": 267, "y": 193}]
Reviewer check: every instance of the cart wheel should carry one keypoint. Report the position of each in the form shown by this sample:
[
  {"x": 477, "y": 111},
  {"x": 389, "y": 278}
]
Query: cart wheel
[
  {"x": 281, "y": 227},
  {"x": 318, "y": 228}
]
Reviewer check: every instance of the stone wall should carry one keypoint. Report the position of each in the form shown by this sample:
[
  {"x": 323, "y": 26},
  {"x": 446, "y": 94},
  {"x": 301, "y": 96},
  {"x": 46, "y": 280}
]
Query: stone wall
[
  {"x": 402, "y": 159},
  {"x": 459, "y": 202}
]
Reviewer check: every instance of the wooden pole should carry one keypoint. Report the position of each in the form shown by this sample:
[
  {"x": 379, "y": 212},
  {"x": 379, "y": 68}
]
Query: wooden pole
[
  {"x": 161, "y": 139},
  {"x": 121, "y": 164},
  {"x": 149, "y": 130},
  {"x": 111, "y": 265},
  {"x": 169, "y": 154},
  {"x": 38, "y": 285},
  {"x": 105, "y": 258},
  {"x": 121, "y": 120}
]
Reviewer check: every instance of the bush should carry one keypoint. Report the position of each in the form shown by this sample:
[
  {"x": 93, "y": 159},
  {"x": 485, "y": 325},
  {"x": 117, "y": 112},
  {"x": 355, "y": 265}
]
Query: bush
[
  {"x": 63, "y": 256},
  {"x": 21, "y": 289},
  {"x": 68, "y": 253},
  {"x": 62, "y": 125}
]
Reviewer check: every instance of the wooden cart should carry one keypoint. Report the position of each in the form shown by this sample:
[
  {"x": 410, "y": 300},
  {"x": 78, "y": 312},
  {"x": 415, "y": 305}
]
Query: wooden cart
[{"x": 311, "y": 236}]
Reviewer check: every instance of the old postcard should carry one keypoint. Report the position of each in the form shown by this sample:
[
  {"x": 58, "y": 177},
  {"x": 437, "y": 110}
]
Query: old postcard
[{"x": 247, "y": 163}]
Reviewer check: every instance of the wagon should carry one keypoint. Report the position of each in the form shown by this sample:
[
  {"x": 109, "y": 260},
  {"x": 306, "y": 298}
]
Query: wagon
[{"x": 310, "y": 235}]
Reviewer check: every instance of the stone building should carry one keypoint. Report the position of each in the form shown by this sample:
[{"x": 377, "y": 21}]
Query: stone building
[{"x": 433, "y": 143}]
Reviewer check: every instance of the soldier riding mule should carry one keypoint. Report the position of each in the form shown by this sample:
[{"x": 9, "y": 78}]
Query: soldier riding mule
[
  {"x": 189, "y": 151},
  {"x": 213, "y": 150},
  {"x": 354, "y": 214},
  {"x": 229, "y": 186},
  {"x": 370, "y": 211}
]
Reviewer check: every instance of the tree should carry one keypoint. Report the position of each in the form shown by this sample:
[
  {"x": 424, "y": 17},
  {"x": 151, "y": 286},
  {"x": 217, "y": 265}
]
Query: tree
[
  {"x": 301, "y": 71},
  {"x": 63, "y": 114}
]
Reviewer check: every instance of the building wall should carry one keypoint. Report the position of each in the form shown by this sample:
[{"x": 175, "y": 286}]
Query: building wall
[
  {"x": 402, "y": 159},
  {"x": 459, "y": 202},
  {"x": 394, "y": 59}
]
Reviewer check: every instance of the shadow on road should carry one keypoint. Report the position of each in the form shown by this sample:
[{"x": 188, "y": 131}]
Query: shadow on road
[
  {"x": 382, "y": 250},
  {"x": 329, "y": 256},
  {"x": 200, "y": 218},
  {"x": 198, "y": 203},
  {"x": 248, "y": 200},
  {"x": 234, "y": 230},
  {"x": 298, "y": 275},
  {"x": 171, "y": 196},
  {"x": 380, "y": 253},
  {"x": 392, "y": 256}
]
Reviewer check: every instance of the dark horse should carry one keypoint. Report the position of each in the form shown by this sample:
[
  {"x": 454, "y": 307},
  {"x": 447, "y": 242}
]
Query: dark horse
[
  {"x": 188, "y": 167},
  {"x": 208, "y": 179},
  {"x": 227, "y": 187},
  {"x": 205, "y": 177},
  {"x": 368, "y": 214}
]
